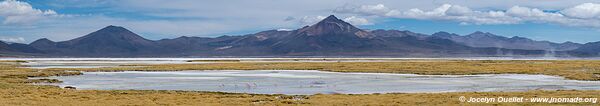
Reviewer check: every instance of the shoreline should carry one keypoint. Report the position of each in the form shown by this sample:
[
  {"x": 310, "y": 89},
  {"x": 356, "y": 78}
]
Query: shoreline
[{"x": 587, "y": 70}]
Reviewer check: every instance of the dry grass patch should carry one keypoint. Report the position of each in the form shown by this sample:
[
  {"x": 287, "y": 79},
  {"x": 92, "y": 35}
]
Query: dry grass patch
[
  {"x": 213, "y": 61},
  {"x": 571, "y": 69}
]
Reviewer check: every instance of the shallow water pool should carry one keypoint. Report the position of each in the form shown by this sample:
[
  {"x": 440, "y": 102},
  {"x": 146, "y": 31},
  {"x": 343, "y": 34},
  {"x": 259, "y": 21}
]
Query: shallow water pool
[{"x": 301, "y": 82}]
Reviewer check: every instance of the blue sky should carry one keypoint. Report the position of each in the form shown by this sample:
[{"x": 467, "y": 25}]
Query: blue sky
[{"x": 553, "y": 20}]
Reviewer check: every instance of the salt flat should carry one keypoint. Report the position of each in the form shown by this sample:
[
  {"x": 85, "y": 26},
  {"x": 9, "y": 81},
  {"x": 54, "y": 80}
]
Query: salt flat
[{"x": 313, "y": 82}]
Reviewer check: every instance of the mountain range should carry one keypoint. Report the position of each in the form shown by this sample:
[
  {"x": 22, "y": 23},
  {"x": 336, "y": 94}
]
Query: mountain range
[
  {"x": 481, "y": 39},
  {"x": 329, "y": 37}
]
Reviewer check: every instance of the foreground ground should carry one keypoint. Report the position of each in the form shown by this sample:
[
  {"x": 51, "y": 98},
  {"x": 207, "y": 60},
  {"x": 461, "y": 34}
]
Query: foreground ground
[{"x": 15, "y": 88}]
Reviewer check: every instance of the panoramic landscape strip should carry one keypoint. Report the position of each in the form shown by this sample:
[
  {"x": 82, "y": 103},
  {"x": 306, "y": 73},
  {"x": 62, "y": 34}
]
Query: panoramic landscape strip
[{"x": 299, "y": 52}]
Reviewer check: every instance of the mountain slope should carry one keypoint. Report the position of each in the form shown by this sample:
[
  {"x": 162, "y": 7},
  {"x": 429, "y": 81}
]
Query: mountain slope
[
  {"x": 331, "y": 34},
  {"x": 588, "y": 49},
  {"x": 4, "y": 47},
  {"x": 195, "y": 46},
  {"x": 329, "y": 37},
  {"x": 396, "y": 33},
  {"x": 24, "y": 48},
  {"x": 18, "y": 49},
  {"x": 481, "y": 39},
  {"x": 108, "y": 41},
  {"x": 334, "y": 37}
]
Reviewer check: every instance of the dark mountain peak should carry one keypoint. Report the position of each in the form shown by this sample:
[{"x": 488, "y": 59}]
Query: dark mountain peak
[
  {"x": 183, "y": 37},
  {"x": 517, "y": 37},
  {"x": 478, "y": 33},
  {"x": 331, "y": 18},
  {"x": 43, "y": 44},
  {"x": 523, "y": 39},
  {"x": 334, "y": 26},
  {"x": 569, "y": 42},
  {"x": 112, "y": 33},
  {"x": 110, "y": 40},
  {"x": 441, "y": 33},
  {"x": 520, "y": 38},
  {"x": 113, "y": 28},
  {"x": 115, "y": 31},
  {"x": 330, "y": 33},
  {"x": 44, "y": 40}
]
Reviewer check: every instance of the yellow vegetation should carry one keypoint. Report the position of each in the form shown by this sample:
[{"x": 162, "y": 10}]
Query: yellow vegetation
[
  {"x": 213, "y": 61},
  {"x": 571, "y": 69}
]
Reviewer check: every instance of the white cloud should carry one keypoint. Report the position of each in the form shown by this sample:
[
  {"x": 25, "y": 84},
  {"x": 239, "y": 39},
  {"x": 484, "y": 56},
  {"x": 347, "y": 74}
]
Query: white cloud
[
  {"x": 283, "y": 29},
  {"x": 583, "y": 15},
  {"x": 289, "y": 18},
  {"x": 309, "y": 20},
  {"x": 585, "y": 10},
  {"x": 13, "y": 39},
  {"x": 357, "y": 21},
  {"x": 537, "y": 15},
  {"x": 457, "y": 10},
  {"x": 17, "y": 12},
  {"x": 456, "y": 13},
  {"x": 364, "y": 9},
  {"x": 443, "y": 12}
]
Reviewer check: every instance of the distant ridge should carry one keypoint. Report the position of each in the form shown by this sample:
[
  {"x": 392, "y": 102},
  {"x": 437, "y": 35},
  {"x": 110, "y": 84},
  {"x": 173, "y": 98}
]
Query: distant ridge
[
  {"x": 108, "y": 41},
  {"x": 481, "y": 39},
  {"x": 329, "y": 37}
]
